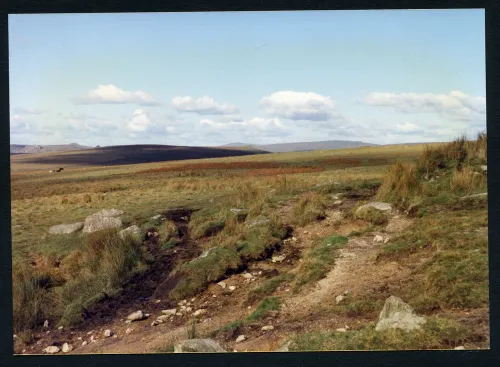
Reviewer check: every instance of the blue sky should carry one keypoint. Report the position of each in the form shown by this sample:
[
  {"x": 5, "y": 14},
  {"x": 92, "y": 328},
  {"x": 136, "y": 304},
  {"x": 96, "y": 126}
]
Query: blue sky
[{"x": 255, "y": 77}]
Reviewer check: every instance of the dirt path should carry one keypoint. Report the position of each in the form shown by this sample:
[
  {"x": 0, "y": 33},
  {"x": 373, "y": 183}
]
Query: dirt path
[{"x": 355, "y": 271}]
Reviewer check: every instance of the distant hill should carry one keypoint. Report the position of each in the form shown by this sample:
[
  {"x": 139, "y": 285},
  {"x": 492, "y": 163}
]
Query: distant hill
[
  {"x": 30, "y": 149},
  {"x": 128, "y": 154},
  {"x": 303, "y": 146}
]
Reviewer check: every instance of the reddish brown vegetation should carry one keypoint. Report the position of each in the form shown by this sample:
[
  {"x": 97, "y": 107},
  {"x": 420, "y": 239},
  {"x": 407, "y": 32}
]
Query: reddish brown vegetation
[
  {"x": 354, "y": 162},
  {"x": 214, "y": 165},
  {"x": 282, "y": 171}
]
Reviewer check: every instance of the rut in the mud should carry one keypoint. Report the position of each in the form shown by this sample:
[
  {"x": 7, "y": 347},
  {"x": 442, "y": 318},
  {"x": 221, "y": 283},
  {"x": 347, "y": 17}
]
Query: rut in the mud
[{"x": 139, "y": 290}]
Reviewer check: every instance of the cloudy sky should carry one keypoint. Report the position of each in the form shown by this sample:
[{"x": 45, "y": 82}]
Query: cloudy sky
[{"x": 254, "y": 77}]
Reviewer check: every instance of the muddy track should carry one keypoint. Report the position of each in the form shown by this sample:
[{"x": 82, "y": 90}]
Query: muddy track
[{"x": 138, "y": 291}]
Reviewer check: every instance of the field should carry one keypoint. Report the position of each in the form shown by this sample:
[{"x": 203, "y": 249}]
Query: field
[{"x": 298, "y": 209}]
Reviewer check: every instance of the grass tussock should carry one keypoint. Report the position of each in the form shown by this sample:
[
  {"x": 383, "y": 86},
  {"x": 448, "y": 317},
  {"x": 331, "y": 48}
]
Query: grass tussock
[
  {"x": 437, "y": 333},
  {"x": 370, "y": 214},
  {"x": 167, "y": 231},
  {"x": 400, "y": 185},
  {"x": 311, "y": 207},
  {"x": 207, "y": 222},
  {"x": 266, "y": 305},
  {"x": 63, "y": 291},
  {"x": 319, "y": 260}
]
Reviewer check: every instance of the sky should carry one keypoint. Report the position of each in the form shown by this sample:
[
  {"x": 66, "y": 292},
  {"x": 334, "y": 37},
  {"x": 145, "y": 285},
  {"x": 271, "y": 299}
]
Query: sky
[{"x": 208, "y": 79}]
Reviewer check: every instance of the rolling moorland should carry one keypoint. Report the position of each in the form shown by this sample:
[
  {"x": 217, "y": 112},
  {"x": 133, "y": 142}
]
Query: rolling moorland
[{"x": 259, "y": 252}]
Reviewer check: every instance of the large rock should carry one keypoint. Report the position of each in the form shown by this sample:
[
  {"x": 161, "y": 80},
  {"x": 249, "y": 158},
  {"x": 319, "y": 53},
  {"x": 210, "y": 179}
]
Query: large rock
[
  {"x": 377, "y": 205},
  {"x": 104, "y": 219},
  {"x": 400, "y": 315},
  {"x": 66, "y": 228},
  {"x": 198, "y": 346},
  {"x": 132, "y": 230},
  {"x": 259, "y": 221}
]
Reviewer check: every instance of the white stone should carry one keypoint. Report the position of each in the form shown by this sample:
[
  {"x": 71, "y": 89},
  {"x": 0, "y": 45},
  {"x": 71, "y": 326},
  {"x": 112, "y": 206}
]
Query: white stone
[
  {"x": 240, "y": 338},
  {"x": 52, "y": 349},
  {"x": 199, "y": 312},
  {"x": 461, "y": 347},
  {"x": 136, "y": 316},
  {"x": 169, "y": 312},
  {"x": 267, "y": 328},
  {"x": 84, "y": 343},
  {"x": 198, "y": 346},
  {"x": 79, "y": 338},
  {"x": 247, "y": 275},
  {"x": 378, "y": 238},
  {"x": 66, "y": 348},
  {"x": 232, "y": 288},
  {"x": 128, "y": 331},
  {"x": 46, "y": 324},
  {"x": 108, "y": 333},
  {"x": 377, "y": 205},
  {"x": 387, "y": 240},
  {"x": 397, "y": 314},
  {"x": 279, "y": 258},
  {"x": 342, "y": 330},
  {"x": 222, "y": 284},
  {"x": 339, "y": 298}
]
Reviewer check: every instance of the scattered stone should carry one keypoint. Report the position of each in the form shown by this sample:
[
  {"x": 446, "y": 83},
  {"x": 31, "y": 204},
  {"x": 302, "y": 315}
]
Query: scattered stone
[
  {"x": 178, "y": 313},
  {"x": 90, "y": 332},
  {"x": 115, "y": 336},
  {"x": 306, "y": 232},
  {"x": 158, "y": 301},
  {"x": 460, "y": 347},
  {"x": 258, "y": 222},
  {"x": 128, "y": 331},
  {"x": 132, "y": 231},
  {"x": 377, "y": 205},
  {"x": 341, "y": 330},
  {"x": 205, "y": 253},
  {"x": 46, "y": 324},
  {"x": 48, "y": 332},
  {"x": 60, "y": 328},
  {"x": 66, "y": 228},
  {"x": 79, "y": 338},
  {"x": 199, "y": 312},
  {"x": 66, "y": 348},
  {"x": 232, "y": 288},
  {"x": 278, "y": 259},
  {"x": 136, "y": 316},
  {"x": 108, "y": 333},
  {"x": 294, "y": 239},
  {"x": 95, "y": 223},
  {"x": 156, "y": 322},
  {"x": 378, "y": 238},
  {"x": 285, "y": 347},
  {"x": 84, "y": 343},
  {"x": 169, "y": 312},
  {"x": 338, "y": 202},
  {"x": 398, "y": 314},
  {"x": 339, "y": 299},
  {"x": 163, "y": 318},
  {"x": 484, "y": 168},
  {"x": 247, "y": 275},
  {"x": 52, "y": 349},
  {"x": 198, "y": 346},
  {"x": 189, "y": 309},
  {"x": 387, "y": 240},
  {"x": 222, "y": 284},
  {"x": 240, "y": 338},
  {"x": 23, "y": 351},
  {"x": 267, "y": 328}
]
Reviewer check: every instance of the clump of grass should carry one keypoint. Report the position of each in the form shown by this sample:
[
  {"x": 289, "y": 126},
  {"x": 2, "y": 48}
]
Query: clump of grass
[
  {"x": 267, "y": 304},
  {"x": 105, "y": 264},
  {"x": 258, "y": 242},
  {"x": 319, "y": 260},
  {"x": 466, "y": 181},
  {"x": 311, "y": 207},
  {"x": 191, "y": 330},
  {"x": 170, "y": 243},
  {"x": 31, "y": 303},
  {"x": 198, "y": 273},
  {"x": 436, "y": 333},
  {"x": 65, "y": 200},
  {"x": 370, "y": 214},
  {"x": 401, "y": 185},
  {"x": 268, "y": 287},
  {"x": 167, "y": 230},
  {"x": 207, "y": 222},
  {"x": 87, "y": 198},
  {"x": 361, "y": 307}
]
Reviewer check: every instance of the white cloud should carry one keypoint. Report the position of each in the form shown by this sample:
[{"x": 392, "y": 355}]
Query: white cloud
[
  {"x": 139, "y": 122},
  {"x": 407, "y": 127},
  {"x": 202, "y": 106},
  {"x": 19, "y": 124},
  {"x": 28, "y": 111},
  {"x": 455, "y": 105},
  {"x": 254, "y": 128},
  {"x": 299, "y": 106},
  {"x": 110, "y": 94}
]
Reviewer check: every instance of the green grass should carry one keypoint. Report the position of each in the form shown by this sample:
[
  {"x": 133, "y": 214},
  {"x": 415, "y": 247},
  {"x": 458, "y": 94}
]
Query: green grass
[
  {"x": 437, "y": 333},
  {"x": 268, "y": 287},
  {"x": 311, "y": 207},
  {"x": 170, "y": 243},
  {"x": 267, "y": 304},
  {"x": 319, "y": 260},
  {"x": 372, "y": 215}
]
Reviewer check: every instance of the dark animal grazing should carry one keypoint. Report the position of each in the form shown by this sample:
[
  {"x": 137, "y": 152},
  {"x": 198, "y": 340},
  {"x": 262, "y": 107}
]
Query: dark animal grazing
[{"x": 58, "y": 170}]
